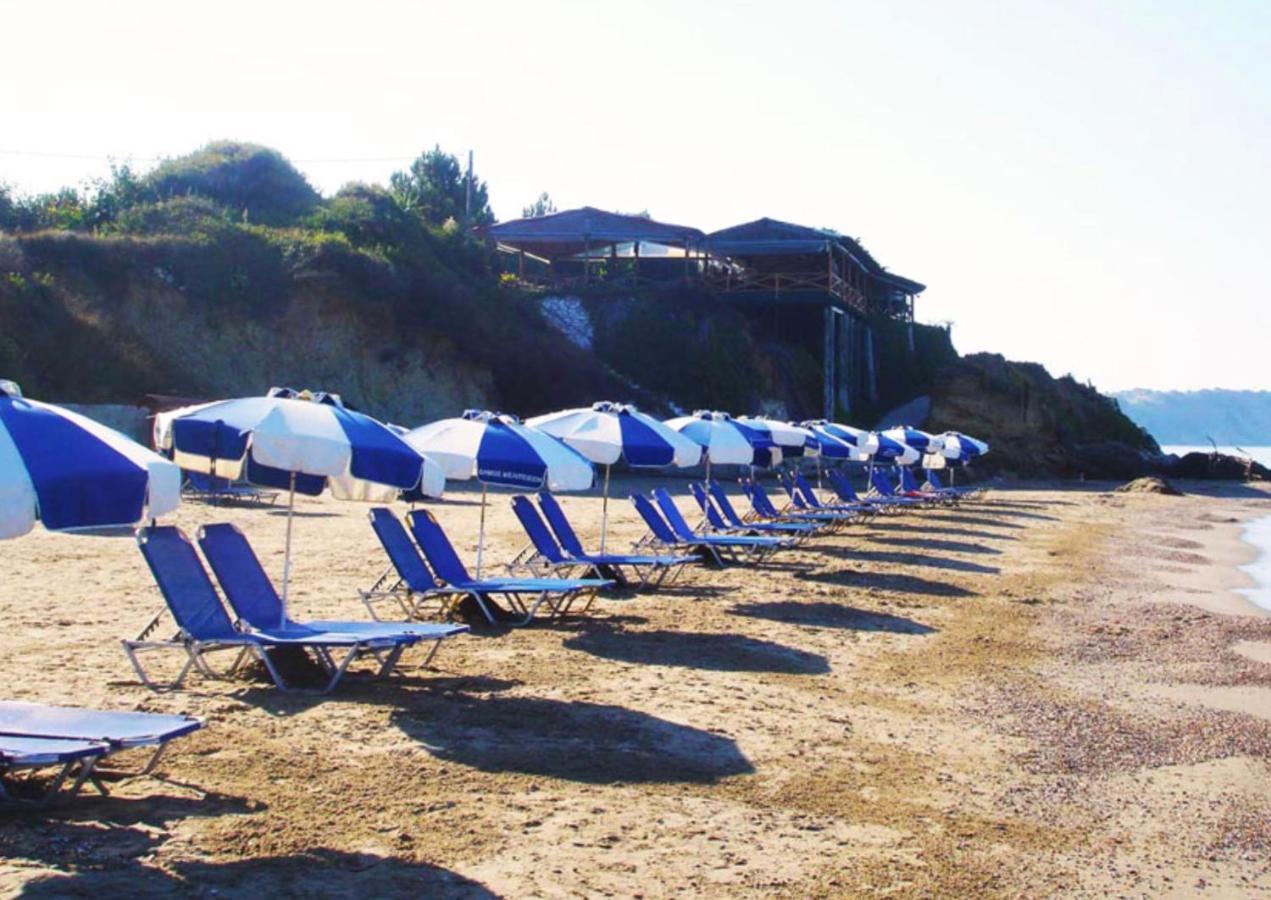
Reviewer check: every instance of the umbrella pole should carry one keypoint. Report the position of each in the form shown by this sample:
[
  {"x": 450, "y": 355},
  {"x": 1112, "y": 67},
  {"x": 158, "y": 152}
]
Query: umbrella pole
[
  {"x": 604, "y": 513},
  {"x": 481, "y": 533},
  {"x": 286, "y": 560},
  {"x": 818, "y": 474}
]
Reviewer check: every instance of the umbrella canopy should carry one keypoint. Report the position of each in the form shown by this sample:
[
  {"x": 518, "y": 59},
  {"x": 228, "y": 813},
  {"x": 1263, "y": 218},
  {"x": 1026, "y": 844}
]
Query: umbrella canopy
[
  {"x": 727, "y": 441},
  {"x": 834, "y": 445},
  {"x": 607, "y": 432},
  {"x": 916, "y": 438},
  {"x": 893, "y": 451},
  {"x": 794, "y": 440},
  {"x": 499, "y": 450},
  {"x": 308, "y": 442},
  {"x": 958, "y": 447},
  {"x": 69, "y": 472}
]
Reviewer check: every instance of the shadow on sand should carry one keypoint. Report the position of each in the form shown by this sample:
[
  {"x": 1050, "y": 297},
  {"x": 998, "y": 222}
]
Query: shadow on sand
[
  {"x": 593, "y": 743},
  {"x": 316, "y": 873},
  {"x": 925, "y": 543},
  {"x": 830, "y": 615},
  {"x": 917, "y": 560},
  {"x": 930, "y": 528},
  {"x": 889, "y": 581},
  {"x": 698, "y": 650}
]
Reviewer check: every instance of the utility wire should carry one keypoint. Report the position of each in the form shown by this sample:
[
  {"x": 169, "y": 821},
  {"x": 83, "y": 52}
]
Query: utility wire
[{"x": 40, "y": 154}]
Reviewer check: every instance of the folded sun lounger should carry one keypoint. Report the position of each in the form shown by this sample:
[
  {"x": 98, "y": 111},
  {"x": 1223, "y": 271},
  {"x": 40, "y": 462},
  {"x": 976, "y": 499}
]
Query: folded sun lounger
[
  {"x": 204, "y": 627},
  {"x": 254, "y": 599},
  {"x": 558, "y": 594},
  {"x": 118, "y": 731},
  {"x": 548, "y": 554}
]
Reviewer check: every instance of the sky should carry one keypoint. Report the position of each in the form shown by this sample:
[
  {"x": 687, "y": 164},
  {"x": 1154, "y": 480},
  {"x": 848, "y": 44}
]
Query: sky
[{"x": 1086, "y": 185}]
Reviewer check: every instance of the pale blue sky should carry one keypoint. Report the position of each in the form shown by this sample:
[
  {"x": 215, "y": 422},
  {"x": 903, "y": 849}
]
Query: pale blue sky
[{"x": 1086, "y": 185}]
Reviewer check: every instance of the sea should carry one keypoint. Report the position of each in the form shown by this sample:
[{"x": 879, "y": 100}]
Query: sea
[{"x": 1257, "y": 532}]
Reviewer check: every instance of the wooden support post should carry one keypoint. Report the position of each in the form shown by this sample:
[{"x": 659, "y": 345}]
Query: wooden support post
[
  {"x": 829, "y": 388},
  {"x": 871, "y": 377},
  {"x": 586, "y": 258},
  {"x": 520, "y": 265}
]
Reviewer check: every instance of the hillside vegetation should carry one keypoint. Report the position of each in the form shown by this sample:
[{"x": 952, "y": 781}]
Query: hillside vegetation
[{"x": 223, "y": 272}]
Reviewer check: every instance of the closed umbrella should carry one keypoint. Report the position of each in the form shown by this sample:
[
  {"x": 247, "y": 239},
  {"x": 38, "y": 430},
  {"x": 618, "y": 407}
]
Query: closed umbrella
[
  {"x": 303, "y": 442},
  {"x": 608, "y": 432},
  {"x": 500, "y": 450},
  {"x": 69, "y": 472}
]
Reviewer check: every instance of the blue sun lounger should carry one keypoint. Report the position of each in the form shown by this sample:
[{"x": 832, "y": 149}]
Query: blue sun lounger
[
  {"x": 675, "y": 530},
  {"x": 407, "y": 581},
  {"x": 201, "y": 486},
  {"x": 118, "y": 731},
  {"x": 763, "y": 507},
  {"x": 548, "y": 554},
  {"x": 961, "y": 493},
  {"x": 73, "y": 759},
  {"x": 204, "y": 627},
  {"x": 803, "y": 499},
  {"x": 559, "y": 594},
  {"x": 719, "y": 520},
  {"x": 254, "y": 599},
  {"x": 912, "y": 488},
  {"x": 880, "y": 486}
]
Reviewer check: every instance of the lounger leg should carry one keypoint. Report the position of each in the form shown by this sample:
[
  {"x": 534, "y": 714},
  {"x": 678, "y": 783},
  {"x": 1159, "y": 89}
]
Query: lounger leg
[
  {"x": 390, "y": 662},
  {"x": 344, "y": 665}
]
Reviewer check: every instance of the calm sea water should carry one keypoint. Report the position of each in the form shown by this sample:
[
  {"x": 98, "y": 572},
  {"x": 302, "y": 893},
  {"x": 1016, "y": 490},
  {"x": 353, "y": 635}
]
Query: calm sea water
[
  {"x": 1258, "y": 533},
  {"x": 1260, "y": 454}
]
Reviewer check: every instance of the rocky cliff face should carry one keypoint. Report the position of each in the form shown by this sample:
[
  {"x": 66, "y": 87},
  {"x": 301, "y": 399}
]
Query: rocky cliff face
[{"x": 1037, "y": 424}]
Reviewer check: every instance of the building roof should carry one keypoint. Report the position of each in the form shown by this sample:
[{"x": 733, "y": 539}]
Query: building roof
[
  {"x": 567, "y": 233},
  {"x": 772, "y": 237}
]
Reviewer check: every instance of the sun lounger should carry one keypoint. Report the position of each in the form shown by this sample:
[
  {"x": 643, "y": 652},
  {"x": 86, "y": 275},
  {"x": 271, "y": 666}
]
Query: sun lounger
[
  {"x": 668, "y": 527},
  {"x": 804, "y": 499},
  {"x": 407, "y": 581},
  {"x": 203, "y": 626},
  {"x": 118, "y": 731},
  {"x": 718, "y": 520},
  {"x": 933, "y": 481},
  {"x": 549, "y": 555},
  {"x": 254, "y": 599},
  {"x": 73, "y": 759},
  {"x": 911, "y": 488},
  {"x": 763, "y": 507},
  {"x": 201, "y": 486},
  {"x": 880, "y": 486},
  {"x": 558, "y": 594}
]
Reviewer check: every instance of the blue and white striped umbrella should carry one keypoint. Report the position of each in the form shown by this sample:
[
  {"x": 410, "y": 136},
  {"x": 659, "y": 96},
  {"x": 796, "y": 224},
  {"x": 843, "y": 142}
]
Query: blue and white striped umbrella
[
  {"x": 726, "y": 441},
  {"x": 893, "y": 451},
  {"x": 69, "y": 472},
  {"x": 499, "y": 450},
  {"x": 834, "y": 444},
  {"x": 960, "y": 448},
  {"x": 608, "y": 432},
  {"x": 794, "y": 440},
  {"x": 916, "y": 438},
  {"x": 303, "y": 442}
]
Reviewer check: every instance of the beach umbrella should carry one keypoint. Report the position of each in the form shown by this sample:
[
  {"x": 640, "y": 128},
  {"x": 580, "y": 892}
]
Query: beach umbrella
[
  {"x": 608, "y": 432},
  {"x": 299, "y": 441},
  {"x": 726, "y": 441},
  {"x": 916, "y": 438},
  {"x": 69, "y": 472},
  {"x": 500, "y": 450},
  {"x": 959, "y": 447},
  {"x": 835, "y": 444},
  {"x": 794, "y": 440},
  {"x": 893, "y": 451}
]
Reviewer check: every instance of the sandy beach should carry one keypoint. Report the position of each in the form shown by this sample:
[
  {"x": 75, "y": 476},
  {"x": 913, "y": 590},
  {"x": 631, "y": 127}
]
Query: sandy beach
[{"x": 1046, "y": 692}]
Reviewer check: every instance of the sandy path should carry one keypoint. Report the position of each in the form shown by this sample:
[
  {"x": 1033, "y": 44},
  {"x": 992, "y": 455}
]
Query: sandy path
[{"x": 1034, "y": 695}]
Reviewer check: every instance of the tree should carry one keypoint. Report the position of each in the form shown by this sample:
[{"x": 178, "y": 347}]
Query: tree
[
  {"x": 543, "y": 206},
  {"x": 435, "y": 189}
]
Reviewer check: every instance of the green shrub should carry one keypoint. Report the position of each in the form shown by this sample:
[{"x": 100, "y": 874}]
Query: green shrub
[{"x": 256, "y": 183}]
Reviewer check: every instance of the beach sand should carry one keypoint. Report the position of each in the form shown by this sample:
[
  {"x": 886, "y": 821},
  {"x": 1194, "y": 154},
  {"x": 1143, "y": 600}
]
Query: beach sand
[{"x": 1047, "y": 692}]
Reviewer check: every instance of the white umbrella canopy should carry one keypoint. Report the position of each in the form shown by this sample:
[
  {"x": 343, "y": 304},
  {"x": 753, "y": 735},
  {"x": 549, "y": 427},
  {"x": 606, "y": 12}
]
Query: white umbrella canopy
[
  {"x": 608, "y": 432},
  {"x": 500, "y": 450},
  {"x": 68, "y": 472}
]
